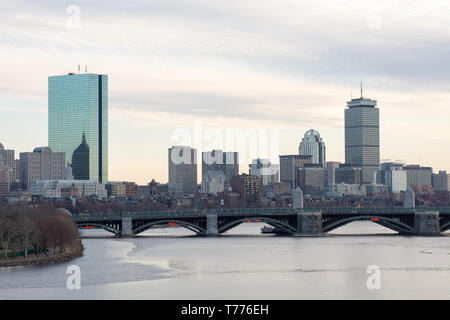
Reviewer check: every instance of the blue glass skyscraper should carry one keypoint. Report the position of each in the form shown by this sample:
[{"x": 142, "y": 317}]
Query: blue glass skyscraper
[{"x": 77, "y": 104}]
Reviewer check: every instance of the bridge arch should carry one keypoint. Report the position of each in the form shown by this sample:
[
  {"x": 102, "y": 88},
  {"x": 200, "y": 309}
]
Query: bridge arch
[
  {"x": 190, "y": 226},
  {"x": 102, "y": 226},
  {"x": 287, "y": 228},
  {"x": 383, "y": 221},
  {"x": 445, "y": 227}
]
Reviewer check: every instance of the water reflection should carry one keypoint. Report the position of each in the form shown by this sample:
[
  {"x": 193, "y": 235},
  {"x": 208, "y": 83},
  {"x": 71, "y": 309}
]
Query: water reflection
[{"x": 174, "y": 263}]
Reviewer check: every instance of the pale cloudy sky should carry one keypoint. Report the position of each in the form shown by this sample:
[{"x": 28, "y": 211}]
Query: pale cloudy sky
[{"x": 289, "y": 65}]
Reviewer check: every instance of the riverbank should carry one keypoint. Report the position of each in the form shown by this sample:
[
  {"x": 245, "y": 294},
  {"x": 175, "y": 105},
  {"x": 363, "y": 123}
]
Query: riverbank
[{"x": 70, "y": 253}]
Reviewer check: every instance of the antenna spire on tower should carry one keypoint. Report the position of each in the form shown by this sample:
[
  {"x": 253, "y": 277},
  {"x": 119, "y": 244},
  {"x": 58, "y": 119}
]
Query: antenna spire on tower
[{"x": 361, "y": 89}]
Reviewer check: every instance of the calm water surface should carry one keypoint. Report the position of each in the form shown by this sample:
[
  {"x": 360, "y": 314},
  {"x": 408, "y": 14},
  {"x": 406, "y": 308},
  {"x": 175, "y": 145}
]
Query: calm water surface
[{"x": 242, "y": 264}]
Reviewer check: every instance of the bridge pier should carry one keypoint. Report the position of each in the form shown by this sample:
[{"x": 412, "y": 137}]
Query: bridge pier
[
  {"x": 127, "y": 226},
  {"x": 427, "y": 223},
  {"x": 309, "y": 224},
  {"x": 212, "y": 224}
]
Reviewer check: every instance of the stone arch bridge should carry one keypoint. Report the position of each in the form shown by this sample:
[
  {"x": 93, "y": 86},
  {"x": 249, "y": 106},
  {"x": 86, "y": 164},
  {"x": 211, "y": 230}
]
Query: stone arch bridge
[{"x": 422, "y": 222}]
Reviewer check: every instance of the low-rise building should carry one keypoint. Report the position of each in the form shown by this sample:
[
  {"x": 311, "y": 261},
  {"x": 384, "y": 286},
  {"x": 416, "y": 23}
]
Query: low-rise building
[
  {"x": 213, "y": 182},
  {"x": 18, "y": 196},
  {"x": 58, "y": 188},
  {"x": 376, "y": 188},
  {"x": 115, "y": 189},
  {"x": 344, "y": 189},
  {"x": 441, "y": 181},
  {"x": 281, "y": 188}
]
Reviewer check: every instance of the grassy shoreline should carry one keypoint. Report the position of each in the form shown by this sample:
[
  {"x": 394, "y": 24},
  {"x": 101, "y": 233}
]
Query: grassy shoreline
[{"x": 72, "y": 252}]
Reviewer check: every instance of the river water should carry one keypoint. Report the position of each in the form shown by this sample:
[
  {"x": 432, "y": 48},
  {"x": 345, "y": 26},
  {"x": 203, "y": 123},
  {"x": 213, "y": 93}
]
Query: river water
[{"x": 173, "y": 263}]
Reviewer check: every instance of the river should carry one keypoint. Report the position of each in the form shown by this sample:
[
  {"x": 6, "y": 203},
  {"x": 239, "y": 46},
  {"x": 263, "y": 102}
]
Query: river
[{"x": 173, "y": 263}]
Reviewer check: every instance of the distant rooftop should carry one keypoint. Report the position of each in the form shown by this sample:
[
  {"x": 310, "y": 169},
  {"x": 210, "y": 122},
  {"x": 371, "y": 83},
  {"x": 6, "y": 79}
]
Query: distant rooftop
[{"x": 361, "y": 102}]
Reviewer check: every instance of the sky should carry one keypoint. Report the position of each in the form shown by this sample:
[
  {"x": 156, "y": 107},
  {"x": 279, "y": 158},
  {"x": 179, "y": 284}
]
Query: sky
[{"x": 191, "y": 71}]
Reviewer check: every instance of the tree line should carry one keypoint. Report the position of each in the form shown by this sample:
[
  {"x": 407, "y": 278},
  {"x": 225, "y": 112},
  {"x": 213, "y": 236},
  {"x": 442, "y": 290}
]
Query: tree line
[{"x": 38, "y": 230}]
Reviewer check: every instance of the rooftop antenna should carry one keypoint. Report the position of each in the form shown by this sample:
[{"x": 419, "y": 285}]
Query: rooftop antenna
[
  {"x": 361, "y": 89},
  {"x": 85, "y": 68},
  {"x": 78, "y": 68}
]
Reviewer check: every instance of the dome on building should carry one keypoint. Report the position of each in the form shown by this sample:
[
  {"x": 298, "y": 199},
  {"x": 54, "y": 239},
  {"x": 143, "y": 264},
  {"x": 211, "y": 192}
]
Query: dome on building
[
  {"x": 2, "y": 148},
  {"x": 63, "y": 211},
  {"x": 43, "y": 150},
  {"x": 312, "y": 132}
]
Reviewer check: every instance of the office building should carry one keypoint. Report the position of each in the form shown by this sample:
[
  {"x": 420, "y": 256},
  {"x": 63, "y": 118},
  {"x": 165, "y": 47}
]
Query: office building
[
  {"x": 182, "y": 170},
  {"x": 392, "y": 175},
  {"x": 417, "y": 176},
  {"x": 362, "y": 136},
  {"x": 217, "y": 160},
  {"x": 77, "y": 104},
  {"x": 213, "y": 182},
  {"x": 267, "y": 172},
  {"x": 248, "y": 187},
  {"x": 441, "y": 181},
  {"x": 5, "y": 175},
  {"x": 80, "y": 161},
  {"x": 41, "y": 164},
  {"x": 313, "y": 145},
  {"x": 348, "y": 173},
  {"x": 331, "y": 167},
  {"x": 289, "y": 165},
  {"x": 312, "y": 178},
  {"x": 8, "y": 161}
]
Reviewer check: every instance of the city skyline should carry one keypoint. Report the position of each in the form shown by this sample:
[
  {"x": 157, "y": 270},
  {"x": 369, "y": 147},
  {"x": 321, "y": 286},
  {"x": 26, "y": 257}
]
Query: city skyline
[
  {"x": 273, "y": 71},
  {"x": 248, "y": 162}
]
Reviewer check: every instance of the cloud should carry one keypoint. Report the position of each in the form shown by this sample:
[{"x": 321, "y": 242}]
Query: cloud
[{"x": 259, "y": 63}]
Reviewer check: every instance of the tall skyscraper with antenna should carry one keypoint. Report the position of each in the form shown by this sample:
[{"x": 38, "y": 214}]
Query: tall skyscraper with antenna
[
  {"x": 362, "y": 135},
  {"x": 77, "y": 104}
]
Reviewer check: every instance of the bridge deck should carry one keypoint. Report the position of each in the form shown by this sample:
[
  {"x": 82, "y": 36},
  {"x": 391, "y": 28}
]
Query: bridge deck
[{"x": 253, "y": 211}]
